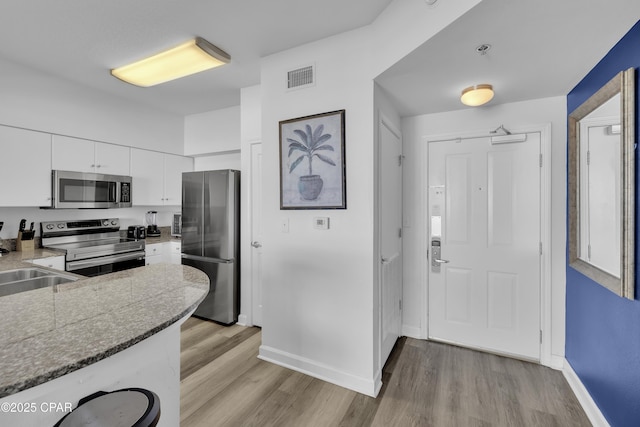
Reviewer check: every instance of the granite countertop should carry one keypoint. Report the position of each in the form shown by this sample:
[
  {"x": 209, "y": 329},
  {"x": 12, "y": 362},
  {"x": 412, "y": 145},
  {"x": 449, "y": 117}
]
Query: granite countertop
[{"x": 49, "y": 332}]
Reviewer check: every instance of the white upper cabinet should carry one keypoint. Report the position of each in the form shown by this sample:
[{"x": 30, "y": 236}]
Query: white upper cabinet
[
  {"x": 25, "y": 167},
  {"x": 157, "y": 177},
  {"x": 173, "y": 168},
  {"x": 83, "y": 155}
]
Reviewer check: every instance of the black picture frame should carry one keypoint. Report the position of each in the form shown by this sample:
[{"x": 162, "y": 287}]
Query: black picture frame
[{"x": 308, "y": 143}]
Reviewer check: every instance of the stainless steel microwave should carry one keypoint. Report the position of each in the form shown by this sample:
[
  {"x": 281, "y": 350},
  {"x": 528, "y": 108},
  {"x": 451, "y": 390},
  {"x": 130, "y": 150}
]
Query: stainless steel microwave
[{"x": 81, "y": 190}]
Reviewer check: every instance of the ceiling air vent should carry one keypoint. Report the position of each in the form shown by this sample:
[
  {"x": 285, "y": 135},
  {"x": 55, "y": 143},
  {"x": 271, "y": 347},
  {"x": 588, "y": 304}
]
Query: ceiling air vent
[{"x": 301, "y": 77}]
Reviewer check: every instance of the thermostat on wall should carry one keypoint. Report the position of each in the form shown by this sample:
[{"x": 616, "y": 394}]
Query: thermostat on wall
[{"x": 321, "y": 223}]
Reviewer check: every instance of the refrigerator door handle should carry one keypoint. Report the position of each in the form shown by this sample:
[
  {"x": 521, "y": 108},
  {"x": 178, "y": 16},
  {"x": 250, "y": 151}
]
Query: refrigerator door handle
[{"x": 209, "y": 259}]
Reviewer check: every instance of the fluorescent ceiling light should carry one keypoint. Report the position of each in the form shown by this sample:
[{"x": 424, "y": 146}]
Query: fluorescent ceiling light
[
  {"x": 477, "y": 95},
  {"x": 188, "y": 58}
]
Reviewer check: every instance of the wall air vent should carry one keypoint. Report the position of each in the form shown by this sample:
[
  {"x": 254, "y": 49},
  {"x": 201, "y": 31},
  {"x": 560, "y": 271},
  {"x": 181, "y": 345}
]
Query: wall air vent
[{"x": 301, "y": 77}]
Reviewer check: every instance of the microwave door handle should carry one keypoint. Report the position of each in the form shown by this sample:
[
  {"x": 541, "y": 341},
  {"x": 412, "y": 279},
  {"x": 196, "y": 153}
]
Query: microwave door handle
[{"x": 115, "y": 196}]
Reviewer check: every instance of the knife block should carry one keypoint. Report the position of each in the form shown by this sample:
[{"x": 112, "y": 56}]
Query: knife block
[{"x": 24, "y": 245}]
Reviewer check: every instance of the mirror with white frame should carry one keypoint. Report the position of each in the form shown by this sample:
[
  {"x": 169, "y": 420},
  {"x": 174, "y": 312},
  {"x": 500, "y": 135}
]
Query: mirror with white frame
[{"x": 601, "y": 185}]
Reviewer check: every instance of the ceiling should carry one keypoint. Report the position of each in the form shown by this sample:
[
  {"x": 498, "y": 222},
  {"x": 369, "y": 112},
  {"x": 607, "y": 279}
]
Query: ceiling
[
  {"x": 538, "y": 48},
  {"x": 81, "y": 40}
]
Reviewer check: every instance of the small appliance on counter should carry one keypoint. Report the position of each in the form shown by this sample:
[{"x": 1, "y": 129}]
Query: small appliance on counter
[
  {"x": 176, "y": 225},
  {"x": 136, "y": 232},
  {"x": 152, "y": 224}
]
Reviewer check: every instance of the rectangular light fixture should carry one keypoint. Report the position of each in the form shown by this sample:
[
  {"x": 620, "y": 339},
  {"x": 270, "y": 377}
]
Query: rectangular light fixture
[
  {"x": 188, "y": 58},
  {"x": 507, "y": 139}
]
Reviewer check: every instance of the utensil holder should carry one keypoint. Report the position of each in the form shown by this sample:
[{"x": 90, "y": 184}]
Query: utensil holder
[{"x": 24, "y": 245}]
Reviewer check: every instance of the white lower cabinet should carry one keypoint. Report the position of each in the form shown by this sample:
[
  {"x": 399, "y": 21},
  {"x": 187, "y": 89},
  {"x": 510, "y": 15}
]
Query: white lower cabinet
[
  {"x": 175, "y": 252},
  {"x": 56, "y": 262},
  {"x": 153, "y": 253},
  {"x": 168, "y": 252}
]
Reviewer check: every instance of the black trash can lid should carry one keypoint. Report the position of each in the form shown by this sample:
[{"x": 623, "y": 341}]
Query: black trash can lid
[{"x": 132, "y": 407}]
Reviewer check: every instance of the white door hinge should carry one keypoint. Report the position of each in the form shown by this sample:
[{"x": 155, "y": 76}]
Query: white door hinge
[
  {"x": 540, "y": 248},
  {"x": 400, "y": 232},
  {"x": 540, "y": 336},
  {"x": 540, "y": 160},
  {"x": 400, "y": 305}
]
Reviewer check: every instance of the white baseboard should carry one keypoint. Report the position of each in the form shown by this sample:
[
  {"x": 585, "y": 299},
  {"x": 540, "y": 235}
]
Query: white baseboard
[
  {"x": 412, "y": 332},
  {"x": 242, "y": 320},
  {"x": 555, "y": 362},
  {"x": 370, "y": 387},
  {"x": 589, "y": 406}
]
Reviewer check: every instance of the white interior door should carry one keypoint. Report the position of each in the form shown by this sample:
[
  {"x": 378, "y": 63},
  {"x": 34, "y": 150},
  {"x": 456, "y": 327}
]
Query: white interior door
[
  {"x": 390, "y": 237},
  {"x": 256, "y": 232},
  {"x": 484, "y": 213}
]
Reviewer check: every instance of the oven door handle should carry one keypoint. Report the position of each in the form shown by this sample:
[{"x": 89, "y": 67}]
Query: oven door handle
[
  {"x": 75, "y": 265},
  {"x": 110, "y": 251}
]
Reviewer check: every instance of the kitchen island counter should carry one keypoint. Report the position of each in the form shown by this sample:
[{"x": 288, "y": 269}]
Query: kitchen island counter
[{"x": 50, "y": 332}]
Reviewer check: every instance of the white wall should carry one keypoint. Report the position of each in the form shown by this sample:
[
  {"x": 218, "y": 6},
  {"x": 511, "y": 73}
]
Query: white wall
[
  {"x": 33, "y": 100},
  {"x": 218, "y": 161},
  {"x": 212, "y": 131},
  {"x": 484, "y": 119},
  {"x": 318, "y": 286}
]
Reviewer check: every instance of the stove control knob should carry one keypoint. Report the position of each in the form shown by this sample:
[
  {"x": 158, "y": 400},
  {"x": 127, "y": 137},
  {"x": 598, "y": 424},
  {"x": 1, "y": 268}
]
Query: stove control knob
[
  {"x": 114, "y": 222},
  {"x": 60, "y": 225},
  {"x": 50, "y": 227},
  {"x": 105, "y": 222}
]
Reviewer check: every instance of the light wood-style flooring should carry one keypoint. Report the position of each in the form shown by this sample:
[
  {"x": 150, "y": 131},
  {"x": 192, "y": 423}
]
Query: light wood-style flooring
[{"x": 424, "y": 384}]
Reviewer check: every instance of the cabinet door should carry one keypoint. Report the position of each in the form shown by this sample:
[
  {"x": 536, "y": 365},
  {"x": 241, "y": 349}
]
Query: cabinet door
[
  {"x": 147, "y": 172},
  {"x": 25, "y": 167},
  {"x": 73, "y": 154},
  {"x": 112, "y": 159},
  {"x": 173, "y": 168},
  {"x": 175, "y": 252}
]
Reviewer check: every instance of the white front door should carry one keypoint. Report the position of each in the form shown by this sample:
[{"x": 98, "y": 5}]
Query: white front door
[
  {"x": 484, "y": 218},
  {"x": 390, "y": 237},
  {"x": 256, "y": 233}
]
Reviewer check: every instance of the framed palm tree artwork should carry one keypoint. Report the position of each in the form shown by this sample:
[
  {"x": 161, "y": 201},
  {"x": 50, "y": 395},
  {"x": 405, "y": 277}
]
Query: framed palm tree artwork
[{"x": 312, "y": 164}]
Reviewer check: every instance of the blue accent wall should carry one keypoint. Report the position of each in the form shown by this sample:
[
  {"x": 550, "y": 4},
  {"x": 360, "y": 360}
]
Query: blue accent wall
[{"x": 603, "y": 329}]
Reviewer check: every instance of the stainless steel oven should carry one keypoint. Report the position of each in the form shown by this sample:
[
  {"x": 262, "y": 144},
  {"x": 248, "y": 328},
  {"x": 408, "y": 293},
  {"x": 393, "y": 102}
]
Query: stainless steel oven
[
  {"x": 93, "y": 246},
  {"x": 81, "y": 190}
]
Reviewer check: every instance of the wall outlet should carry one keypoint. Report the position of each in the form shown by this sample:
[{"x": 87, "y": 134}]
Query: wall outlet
[
  {"x": 284, "y": 225},
  {"x": 321, "y": 223}
]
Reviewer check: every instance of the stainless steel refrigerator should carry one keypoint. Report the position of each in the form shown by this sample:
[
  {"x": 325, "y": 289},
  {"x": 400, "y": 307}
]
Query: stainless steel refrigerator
[{"x": 210, "y": 238}]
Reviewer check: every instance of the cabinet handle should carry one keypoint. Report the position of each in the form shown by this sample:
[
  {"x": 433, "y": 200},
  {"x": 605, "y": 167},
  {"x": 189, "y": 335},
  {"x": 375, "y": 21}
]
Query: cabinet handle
[
  {"x": 98, "y": 166},
  {"x": 93, "y": 166}
]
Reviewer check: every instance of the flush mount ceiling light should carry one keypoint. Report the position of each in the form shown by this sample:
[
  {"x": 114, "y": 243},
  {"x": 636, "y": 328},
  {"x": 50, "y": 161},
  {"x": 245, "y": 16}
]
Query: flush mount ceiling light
[
  {"x": 477, "y": 95},
  {"x": 188, "y": 58}
]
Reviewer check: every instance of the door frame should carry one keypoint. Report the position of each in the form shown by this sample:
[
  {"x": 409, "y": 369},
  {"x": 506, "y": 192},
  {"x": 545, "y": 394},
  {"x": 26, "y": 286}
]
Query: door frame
[{"x": 544, "y": 129}]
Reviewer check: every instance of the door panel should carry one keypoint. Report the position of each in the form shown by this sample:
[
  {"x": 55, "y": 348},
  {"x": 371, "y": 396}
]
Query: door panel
[
  {"x": 256, "y": 232},
  {"x": 390, "y": 237},
  {"x": 487, "y": 197}
]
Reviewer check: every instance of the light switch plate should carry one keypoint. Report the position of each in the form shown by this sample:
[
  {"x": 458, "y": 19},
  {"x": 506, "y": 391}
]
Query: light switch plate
[{"x": 321, "y": 223}]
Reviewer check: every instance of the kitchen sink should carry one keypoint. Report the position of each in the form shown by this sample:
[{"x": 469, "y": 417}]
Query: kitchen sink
[
  {"x": 22, "y": 274},
  {"x": 28, "y": 279}
]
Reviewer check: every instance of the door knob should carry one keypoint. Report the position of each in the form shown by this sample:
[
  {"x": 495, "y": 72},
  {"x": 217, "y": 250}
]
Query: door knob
[{"x": 256, "y": 244}]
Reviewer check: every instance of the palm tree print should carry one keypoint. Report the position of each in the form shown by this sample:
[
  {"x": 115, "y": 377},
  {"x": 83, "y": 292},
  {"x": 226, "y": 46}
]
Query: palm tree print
[{"x": 310, "y": 143}]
